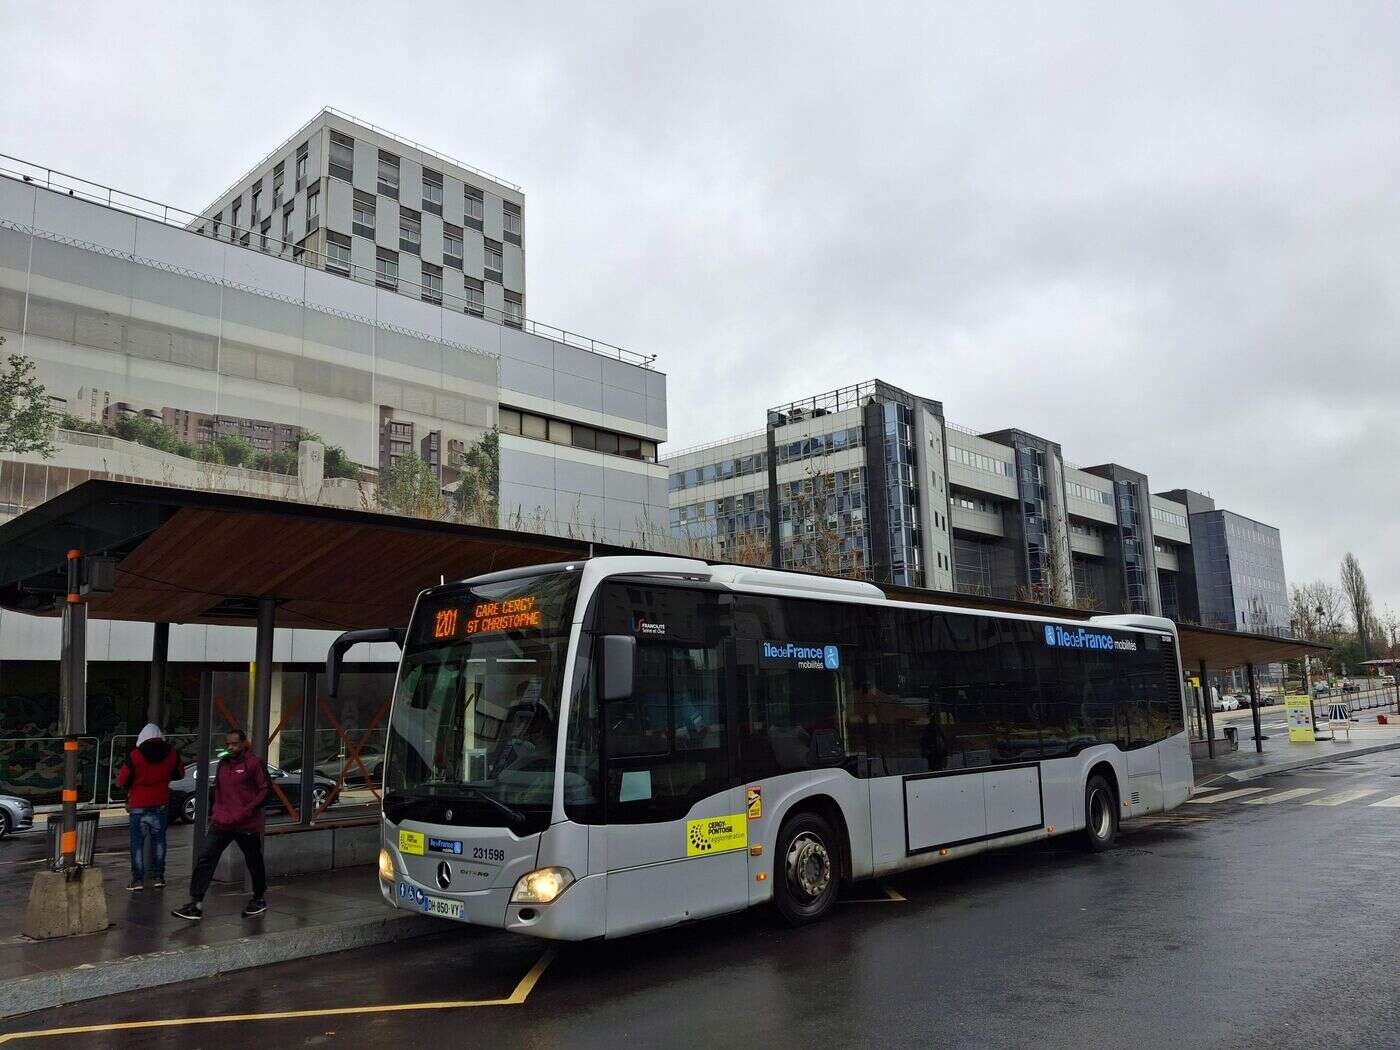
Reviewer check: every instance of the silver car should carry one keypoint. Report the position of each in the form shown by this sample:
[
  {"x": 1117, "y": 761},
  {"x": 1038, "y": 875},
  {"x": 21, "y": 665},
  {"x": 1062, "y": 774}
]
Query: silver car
[{"x": 16, "y": 814}]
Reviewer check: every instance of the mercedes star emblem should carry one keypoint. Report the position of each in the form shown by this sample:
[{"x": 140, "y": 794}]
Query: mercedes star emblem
[
  {"x": 449, "y": 814},
  {"x": 444, "y": 876}
]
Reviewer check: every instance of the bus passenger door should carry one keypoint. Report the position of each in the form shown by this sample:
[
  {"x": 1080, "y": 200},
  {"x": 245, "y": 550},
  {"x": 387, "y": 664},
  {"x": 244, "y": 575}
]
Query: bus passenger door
[{"x": 676, "y": 830}]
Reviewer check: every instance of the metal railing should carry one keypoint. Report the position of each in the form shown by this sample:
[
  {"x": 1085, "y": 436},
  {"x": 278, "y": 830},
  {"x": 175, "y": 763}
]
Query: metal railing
[
  {"x": 671, "y": 457},
  {"x": 266, "y": 244}
]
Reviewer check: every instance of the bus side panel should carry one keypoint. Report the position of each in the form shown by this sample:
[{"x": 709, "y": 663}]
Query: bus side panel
[
  {"x": 781, "y": 794},
  {"x": 1178, "y": 776}
]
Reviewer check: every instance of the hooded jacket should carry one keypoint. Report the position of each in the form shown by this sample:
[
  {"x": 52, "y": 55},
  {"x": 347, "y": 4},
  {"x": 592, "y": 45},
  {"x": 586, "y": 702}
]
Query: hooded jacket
[
  {"x": 240, "y": 788},
  {"x": 147, "y": 772}
]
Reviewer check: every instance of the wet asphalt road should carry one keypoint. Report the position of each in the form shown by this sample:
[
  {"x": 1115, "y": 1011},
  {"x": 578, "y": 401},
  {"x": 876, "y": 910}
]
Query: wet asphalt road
[{"x": 1228, "y": 924}]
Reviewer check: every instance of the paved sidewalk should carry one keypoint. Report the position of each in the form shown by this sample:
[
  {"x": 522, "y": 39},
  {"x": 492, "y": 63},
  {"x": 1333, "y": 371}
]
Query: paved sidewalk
[
  {"x": 145, "y": 946},
  {"x": 1367, "y": 737}
]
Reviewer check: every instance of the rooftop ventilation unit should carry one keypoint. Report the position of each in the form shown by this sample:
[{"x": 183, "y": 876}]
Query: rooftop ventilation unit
[{"x": 748, "y": 577}]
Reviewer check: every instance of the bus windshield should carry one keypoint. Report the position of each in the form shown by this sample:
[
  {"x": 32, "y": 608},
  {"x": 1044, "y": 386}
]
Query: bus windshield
[{"x": 474, "y": 729}]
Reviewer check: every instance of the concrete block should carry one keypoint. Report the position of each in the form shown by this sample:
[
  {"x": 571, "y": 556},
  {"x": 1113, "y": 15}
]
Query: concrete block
[
  {"x": 60, "y": 906},
  {"x": 356, "y": 846}
]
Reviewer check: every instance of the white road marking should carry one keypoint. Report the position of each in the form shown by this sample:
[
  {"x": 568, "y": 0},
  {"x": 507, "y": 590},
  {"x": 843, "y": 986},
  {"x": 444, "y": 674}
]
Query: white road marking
[
  {"x": 1393, "y": 802},
  {"x": 1282, "y": 796},
  {"x": 1342, "y": 796},
  {"x": 1238, "y": 793}
]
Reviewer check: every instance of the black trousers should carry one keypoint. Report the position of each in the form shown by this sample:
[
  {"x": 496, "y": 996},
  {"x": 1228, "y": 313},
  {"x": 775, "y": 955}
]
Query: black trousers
[{"x": 250, "y": 842}]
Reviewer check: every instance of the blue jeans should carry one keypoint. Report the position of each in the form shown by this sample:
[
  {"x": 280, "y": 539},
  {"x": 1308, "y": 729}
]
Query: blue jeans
[{"x": 147, "y": 822}]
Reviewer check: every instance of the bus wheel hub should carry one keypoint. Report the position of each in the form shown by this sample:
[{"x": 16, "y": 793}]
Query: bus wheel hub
[{"x": 808, "y": 866}]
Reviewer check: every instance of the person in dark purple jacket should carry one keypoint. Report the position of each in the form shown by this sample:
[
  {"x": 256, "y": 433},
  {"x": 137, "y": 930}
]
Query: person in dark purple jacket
[{"x": 240, "y": 788}]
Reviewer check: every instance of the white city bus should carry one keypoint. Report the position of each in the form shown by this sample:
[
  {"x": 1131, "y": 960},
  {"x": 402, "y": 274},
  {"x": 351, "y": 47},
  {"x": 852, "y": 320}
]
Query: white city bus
[{"x": 627, "y": 743}]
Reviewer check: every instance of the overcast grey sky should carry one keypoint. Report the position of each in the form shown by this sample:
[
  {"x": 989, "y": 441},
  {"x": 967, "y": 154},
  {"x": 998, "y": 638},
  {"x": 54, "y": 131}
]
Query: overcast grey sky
[{"x": 1162, "y": 237}]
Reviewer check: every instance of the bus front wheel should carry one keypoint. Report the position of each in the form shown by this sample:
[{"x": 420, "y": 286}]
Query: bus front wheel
[
  {"x": 809, "y": 869},
  {"x": 1100, "y": 815}
]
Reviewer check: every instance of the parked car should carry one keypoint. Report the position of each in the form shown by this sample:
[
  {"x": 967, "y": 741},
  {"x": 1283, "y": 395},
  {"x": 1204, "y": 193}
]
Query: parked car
[
  {"x": 1350, "y": 687},
  {"x": 16, "y": 814},
  {"x": 183, "y": 799},
  {"x": 1226, "y": 703}
]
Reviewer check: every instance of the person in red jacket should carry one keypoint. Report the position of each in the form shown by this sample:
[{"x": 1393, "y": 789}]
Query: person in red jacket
[
  {"x": 240, "y": 788},
  {"x": 146, "y": 774}
]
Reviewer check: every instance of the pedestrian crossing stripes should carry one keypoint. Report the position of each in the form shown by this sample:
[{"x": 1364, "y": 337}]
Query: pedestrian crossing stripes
[
  {"x": 1342, "y": 797},
  {"x": 1237, "y": 793},
  {"x": 1281, "y": 796},
  {"x": 1263, "y": 797}
]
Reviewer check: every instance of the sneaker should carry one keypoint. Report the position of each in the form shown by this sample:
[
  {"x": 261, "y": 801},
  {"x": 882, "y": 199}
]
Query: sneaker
[
  {"x": 194, "y": 911},
  {"x": 256, "y": 906},
  {"x": 159, "y": 884},
  {"x": 135, "y": 885}
]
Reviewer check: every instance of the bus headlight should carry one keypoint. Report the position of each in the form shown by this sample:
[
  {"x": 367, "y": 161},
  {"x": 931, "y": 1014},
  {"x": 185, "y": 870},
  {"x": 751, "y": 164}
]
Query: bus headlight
[
  {"x": 386, "y": 865},
  {"x": 541, "y": 885}
]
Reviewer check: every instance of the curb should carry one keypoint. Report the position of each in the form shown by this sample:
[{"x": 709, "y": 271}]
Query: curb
[
  {"x": 138, "y": 972},
  {"x": 1255, "y": 772}
]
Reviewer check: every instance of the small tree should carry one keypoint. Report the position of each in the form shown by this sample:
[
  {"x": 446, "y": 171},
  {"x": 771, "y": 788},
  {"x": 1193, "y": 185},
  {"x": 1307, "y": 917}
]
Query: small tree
[
  {"x": 1358, "y": 596},
  {"x": 410, "y": 487},
  {"x": 478, "y": 493},
  {"x": 27, "y": 419}
]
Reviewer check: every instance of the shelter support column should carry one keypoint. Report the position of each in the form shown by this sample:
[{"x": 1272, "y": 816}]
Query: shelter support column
[
  {"x": 73, "y": 698},
  {"x": 262, "y": 676},
  {"x": 1254, "y": 708},
  {"x": 160, "y": 654},
  {"x": 307, "y": 805},
  {"x": 1209, "y": 713}
]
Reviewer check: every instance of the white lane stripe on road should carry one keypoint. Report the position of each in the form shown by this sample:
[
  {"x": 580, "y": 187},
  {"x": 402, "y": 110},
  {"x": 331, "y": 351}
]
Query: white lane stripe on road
[
  {"x": 1238, "y": 793},
  {"x": 1282, "y": 796},
  {"x": 1393, "y": 802},
  {"x": 1342, "y": 796}
]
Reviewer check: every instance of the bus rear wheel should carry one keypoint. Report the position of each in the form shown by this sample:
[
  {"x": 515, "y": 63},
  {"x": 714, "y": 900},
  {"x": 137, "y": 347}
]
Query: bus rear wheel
[
  {"x": 809, "y": 869},
  {"x": 1100, "y": 815}
]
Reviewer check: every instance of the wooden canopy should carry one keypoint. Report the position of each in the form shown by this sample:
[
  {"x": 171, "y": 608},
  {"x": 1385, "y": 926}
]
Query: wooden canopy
[{"x": 191, "y": 556}]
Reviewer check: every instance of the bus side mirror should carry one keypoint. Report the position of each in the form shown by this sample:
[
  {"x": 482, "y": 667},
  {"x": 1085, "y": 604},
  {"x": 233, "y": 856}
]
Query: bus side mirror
[{"x": 619, "y": 652}]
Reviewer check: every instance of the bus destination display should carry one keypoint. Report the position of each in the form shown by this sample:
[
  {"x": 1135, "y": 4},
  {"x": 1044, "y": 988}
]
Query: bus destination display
[{"x": 512, "y": 614}]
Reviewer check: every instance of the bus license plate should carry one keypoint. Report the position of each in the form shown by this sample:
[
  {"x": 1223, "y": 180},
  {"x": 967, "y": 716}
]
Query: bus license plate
[{"x": 429, "y": 905}]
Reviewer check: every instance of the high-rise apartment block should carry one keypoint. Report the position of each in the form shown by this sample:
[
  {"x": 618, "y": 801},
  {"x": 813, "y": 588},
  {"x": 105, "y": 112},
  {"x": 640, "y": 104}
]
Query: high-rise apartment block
[{"x": 364, "y": 203}]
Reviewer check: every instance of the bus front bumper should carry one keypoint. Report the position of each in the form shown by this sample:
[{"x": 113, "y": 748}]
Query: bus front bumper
[{"x": 577, "y": 914}]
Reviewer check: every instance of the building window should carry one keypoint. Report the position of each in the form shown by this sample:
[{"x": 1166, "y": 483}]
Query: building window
[
  {"x": 342, "y": 157},
  {"x": 514, "y": 310},
  {"x": 475, "y": 294},
  {"x": 233, "y": 218},
  {"x": 257, "y": 201},
  {"x": 510, "y": 220},
  {"x": 277, "y": 184},
  {"x": 287, "y": 225},
  {"x": 338, "y": 253},
  {"x": 301, "y": 167},
  {"x": 432, "y": 192},
  {"x": 451, "y": 245},
  {"x": 410, "y": 230},
  {"x": 218, "y": 221},
  {"x": 474, "y": 207},
  {"x": 263, "y": 231},
  {"x": 245, "y": 240},
  {"x": 386, "y": 269},
  {"x": 432, "y": 284},
  {"x": 389, "y": 175},
  {"x": 313, "y": 209},
  {"x": 362, "y": 221},
  {"x": 493, "y": 261}
]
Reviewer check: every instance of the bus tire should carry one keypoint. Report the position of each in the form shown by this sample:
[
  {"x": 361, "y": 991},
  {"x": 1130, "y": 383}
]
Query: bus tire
[
  {"x": 808, "y": 875},
  {"x": 1100, "y": 815}
]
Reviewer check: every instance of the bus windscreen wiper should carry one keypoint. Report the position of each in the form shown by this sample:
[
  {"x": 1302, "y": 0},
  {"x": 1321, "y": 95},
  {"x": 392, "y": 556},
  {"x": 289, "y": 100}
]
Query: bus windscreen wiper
[{"x": 433, "y": 790}]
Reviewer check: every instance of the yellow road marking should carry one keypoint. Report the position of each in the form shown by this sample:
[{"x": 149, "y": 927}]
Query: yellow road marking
[
  {"x": 516, "y": 997},
  {"x": 891, "y": 894}
]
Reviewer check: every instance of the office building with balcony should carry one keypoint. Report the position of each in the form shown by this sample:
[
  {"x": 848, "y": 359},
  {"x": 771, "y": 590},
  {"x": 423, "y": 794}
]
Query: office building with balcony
[{"x": 874, "y": 481}]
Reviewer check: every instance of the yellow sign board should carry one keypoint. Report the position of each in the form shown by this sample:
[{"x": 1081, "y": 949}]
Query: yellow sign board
[
  {"x": 753, "y": 802},
  {"x": 1298, "y": 711},
  {"x": 716, "y": 834},
  {"x": 411, "y": 842}
]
